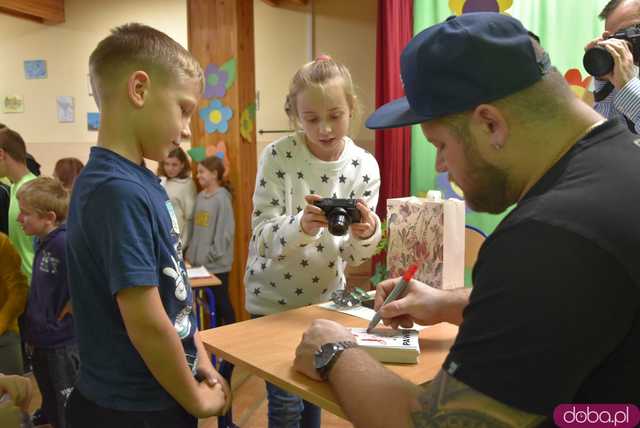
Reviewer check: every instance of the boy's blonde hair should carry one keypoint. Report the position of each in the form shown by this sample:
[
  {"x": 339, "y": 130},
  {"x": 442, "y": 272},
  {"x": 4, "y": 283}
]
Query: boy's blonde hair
[
  {"x": 45, "y": 194},
  {"x": 318, "y": 73},
  {"x": 135, "y": 46}
]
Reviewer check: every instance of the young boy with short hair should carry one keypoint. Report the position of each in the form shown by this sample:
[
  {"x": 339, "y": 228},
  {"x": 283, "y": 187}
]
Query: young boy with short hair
[
  {"x": 132, "y": 300},
  {"x": 47, "y": 326},
  {"x": 13, "y": 164}
]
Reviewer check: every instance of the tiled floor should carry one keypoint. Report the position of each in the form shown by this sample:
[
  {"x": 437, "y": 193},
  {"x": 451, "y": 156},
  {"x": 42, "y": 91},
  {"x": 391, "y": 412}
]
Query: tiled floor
[{"x": 249, "y": 404}]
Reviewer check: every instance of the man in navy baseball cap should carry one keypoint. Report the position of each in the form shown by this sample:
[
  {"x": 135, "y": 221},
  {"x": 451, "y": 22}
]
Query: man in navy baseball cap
[
  {"x": 554, "y": 313},
  {"x": 466, "y": 61}
]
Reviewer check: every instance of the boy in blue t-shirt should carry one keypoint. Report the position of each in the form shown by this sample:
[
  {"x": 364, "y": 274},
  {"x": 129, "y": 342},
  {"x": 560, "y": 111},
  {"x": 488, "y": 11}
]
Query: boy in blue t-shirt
[
  {"x": 132, "y": 300},
  {"x": 47, "y": 326}
]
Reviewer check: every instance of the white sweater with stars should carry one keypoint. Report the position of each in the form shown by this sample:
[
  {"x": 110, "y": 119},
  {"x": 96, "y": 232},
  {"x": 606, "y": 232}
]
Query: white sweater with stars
[{"x": 287, "y": 268}]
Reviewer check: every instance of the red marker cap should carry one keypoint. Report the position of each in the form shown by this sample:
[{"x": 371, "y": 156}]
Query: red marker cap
[{"x": 408, "y": 274}]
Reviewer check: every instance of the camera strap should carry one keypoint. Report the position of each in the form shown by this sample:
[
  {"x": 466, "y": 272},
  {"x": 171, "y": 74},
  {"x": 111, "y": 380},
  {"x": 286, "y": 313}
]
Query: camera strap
[{"x": 604, "y": 93}]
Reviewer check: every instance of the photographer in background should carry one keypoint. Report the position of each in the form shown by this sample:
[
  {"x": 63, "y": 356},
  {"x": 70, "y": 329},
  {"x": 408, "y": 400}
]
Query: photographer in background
[{"x": 618, "y": 93}]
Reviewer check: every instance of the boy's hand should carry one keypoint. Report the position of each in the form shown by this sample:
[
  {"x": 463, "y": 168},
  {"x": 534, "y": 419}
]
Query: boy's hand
[
  {"x": 67, "y": 310},
  {"x": 211, "y": 377},
  {"x": 368, "y": 223},
  {"x": 212, "y": 401}
]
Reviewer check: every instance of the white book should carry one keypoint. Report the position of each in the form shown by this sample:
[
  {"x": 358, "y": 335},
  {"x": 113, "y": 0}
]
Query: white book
[
  {"x": 388, "y": 345},
  {"x": 198, "y": 272}
]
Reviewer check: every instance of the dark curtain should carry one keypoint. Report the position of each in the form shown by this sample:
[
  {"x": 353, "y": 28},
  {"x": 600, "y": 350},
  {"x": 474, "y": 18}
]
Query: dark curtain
[{"x": 393, "y": 146}]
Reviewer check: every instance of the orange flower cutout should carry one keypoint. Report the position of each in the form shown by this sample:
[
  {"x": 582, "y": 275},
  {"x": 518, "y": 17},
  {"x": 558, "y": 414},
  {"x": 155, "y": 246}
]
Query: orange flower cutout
[{"x": 578, "y": 85}]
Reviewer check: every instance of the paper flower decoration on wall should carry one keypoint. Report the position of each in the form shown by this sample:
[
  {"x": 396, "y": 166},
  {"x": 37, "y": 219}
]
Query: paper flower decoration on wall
[
  {"x": 216, "y": 117},
  {"x": 578, "y": 85},
  {"x": 230, "y": 68},
  {"x": 458, "y": 7},
  {"x": 246, "y": 122},
  {"x": 216, "y": 81},
  {"x": 197, "y": 154},
  {"x": 219, "y": 149}
]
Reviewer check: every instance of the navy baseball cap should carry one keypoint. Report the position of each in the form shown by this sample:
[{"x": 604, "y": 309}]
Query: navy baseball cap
[{"x": 459, "y": 64}]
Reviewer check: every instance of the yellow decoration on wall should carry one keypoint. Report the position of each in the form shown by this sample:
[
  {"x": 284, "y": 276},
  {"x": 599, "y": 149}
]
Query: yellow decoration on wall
[{"x": 458, "y": 7}]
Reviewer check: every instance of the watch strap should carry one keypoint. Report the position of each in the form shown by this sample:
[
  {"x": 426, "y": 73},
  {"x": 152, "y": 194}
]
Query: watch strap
[{"x": 342, "y": 345}]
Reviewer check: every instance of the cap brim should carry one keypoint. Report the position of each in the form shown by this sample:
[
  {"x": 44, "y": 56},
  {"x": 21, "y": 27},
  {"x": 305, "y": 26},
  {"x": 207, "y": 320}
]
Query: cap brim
[{"x": 394, "y": 114}]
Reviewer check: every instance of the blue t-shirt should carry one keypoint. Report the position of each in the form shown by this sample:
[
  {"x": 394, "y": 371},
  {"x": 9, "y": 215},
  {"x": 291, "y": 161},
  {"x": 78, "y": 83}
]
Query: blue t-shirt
[{"x": 121, "y": 233}]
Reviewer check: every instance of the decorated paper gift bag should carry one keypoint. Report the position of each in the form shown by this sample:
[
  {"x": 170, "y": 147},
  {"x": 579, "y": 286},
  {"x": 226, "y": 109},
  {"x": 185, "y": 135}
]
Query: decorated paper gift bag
[{"x": 430, "y": 232}]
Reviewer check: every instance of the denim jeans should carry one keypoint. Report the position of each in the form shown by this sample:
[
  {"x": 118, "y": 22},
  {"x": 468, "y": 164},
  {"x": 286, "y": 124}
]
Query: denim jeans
[
  {"x": 287, "y": 410},
  {"x": 290, "y": 411}
]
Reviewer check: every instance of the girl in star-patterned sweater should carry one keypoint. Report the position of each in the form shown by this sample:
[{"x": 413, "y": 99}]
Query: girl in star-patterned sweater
[{"x": 293, "y": 259}]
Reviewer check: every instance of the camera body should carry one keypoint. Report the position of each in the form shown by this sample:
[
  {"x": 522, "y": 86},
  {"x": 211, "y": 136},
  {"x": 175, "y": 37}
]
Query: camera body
[
  {"x": 598, "y": 61},
  {"x": 340, "y": 214}
]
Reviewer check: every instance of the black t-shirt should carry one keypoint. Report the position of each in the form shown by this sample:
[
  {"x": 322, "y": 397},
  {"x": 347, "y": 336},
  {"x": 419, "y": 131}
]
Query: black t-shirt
[{"x": 554, "y": 316}]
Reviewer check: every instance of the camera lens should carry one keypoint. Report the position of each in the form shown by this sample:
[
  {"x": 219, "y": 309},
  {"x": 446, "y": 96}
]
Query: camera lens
[
  {"x": 338, "y": 222},
  {"x": 597, "y": 61}
]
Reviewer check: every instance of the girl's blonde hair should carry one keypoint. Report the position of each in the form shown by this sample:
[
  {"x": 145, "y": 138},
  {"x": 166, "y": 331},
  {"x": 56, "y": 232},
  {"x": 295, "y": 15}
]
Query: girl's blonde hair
[{"x": 318, "y": 73}]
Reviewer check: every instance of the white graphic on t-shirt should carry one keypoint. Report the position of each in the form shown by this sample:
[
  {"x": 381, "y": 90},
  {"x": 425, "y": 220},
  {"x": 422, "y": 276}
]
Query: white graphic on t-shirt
[
  {"x": 192, "y": 360},
  {"x": 174, "y": 220},
  {"x": 178, "y": 276},
  {"x": 48, "y": 263},
  {"x": 182, "y": 323}
]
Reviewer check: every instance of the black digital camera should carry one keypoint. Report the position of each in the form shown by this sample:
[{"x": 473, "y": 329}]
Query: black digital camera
[
  {"x": 340, "y": 214},
  {"x": 598, "y": 61}
]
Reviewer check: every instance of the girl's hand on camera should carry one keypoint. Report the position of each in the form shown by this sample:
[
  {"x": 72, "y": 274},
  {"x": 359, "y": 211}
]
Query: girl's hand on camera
[
  {"x": 368, "y": 222},
  {"x": 313, "y": 218}
]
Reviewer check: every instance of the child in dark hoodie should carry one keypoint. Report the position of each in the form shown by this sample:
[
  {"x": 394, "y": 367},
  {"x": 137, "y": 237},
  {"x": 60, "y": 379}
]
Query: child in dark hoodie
[{"x": 47, "y": 325}]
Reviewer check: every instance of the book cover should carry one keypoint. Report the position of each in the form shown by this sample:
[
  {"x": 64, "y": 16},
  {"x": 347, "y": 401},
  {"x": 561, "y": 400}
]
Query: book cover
[{"x": 389, "y": 346}]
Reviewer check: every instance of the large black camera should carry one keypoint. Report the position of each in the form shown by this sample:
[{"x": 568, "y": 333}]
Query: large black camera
[
  {"x": 598, "y": 61},
  {"x": 340, "y": 214}
]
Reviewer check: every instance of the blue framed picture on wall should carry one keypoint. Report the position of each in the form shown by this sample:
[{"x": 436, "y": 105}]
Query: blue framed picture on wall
[
  {"x": 35, "y": 69},
  {"x": 93, "y": 121}
]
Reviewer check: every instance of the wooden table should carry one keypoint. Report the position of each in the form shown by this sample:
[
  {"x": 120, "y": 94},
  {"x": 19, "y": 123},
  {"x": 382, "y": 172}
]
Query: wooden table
[
  {"x": 205, "y": 282},
  {"x": 266, "y": 347}
]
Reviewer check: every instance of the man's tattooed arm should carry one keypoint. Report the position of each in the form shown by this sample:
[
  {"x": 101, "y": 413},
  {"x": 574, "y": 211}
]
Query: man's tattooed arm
[{"x": 447, "y": 402}]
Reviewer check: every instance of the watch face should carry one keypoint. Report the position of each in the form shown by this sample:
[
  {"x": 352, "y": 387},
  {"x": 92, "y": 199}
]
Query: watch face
[{"x": 324, "y": 355}]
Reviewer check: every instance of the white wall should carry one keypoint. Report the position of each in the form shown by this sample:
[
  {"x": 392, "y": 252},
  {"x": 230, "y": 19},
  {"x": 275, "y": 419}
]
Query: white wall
[
  {"x": 66, "y": 48},
  {"x": 345, "y": 29}
]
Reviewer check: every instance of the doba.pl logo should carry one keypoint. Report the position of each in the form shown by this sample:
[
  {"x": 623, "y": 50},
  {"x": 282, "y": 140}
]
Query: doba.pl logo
[{"x": 596, "y": 415}]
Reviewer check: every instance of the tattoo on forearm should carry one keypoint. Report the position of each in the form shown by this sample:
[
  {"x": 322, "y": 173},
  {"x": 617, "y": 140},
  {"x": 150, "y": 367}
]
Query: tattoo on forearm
[{"x": 447, "y": 402}]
